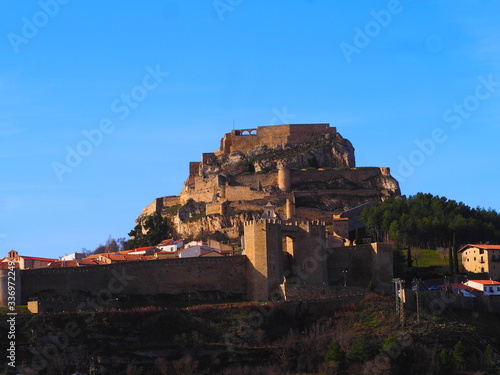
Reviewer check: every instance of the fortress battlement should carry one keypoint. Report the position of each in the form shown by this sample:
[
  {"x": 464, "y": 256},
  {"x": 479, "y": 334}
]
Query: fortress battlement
[
  {"x": 285, "y": 222},
  {"x": 246, "y": 139}
]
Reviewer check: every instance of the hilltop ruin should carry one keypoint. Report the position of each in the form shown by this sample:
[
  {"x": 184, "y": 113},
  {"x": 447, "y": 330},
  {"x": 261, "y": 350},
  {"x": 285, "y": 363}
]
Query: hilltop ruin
[{"x": 307, "y": 171}]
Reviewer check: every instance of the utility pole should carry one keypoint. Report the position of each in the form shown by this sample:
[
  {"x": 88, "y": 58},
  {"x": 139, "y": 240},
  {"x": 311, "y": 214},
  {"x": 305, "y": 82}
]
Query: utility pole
[
  {"x": 417, "y": 291},
  {"x": 400, "y": 308}
]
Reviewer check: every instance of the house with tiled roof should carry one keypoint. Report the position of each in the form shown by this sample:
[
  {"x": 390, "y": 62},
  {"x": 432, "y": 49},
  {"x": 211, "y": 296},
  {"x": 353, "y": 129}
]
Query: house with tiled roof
[
  {"x": 108, "y": 258},
  {"x": 483, "y": 259},
  {"x": 26, "y": 262},
  {"x": 149, "y": 250},
  {"x": 170, "y": 245},
  {"x": 199, "y": 251},
  {"x": 488, "y": 287},
  {"x": 64, "y": 263}
]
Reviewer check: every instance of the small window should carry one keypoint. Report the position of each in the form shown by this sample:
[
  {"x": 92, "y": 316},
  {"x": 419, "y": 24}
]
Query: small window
[{"x": 481, "y": 251}]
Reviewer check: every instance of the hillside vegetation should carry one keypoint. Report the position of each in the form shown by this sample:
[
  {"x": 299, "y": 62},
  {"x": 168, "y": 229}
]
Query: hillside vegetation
[
  {"x": 326, "y": 337},
  {"x": 429, "y": 222}
]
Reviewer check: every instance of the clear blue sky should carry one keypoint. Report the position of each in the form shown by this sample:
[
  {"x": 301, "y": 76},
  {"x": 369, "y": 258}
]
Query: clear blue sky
[{"x": 414, "y": 85}]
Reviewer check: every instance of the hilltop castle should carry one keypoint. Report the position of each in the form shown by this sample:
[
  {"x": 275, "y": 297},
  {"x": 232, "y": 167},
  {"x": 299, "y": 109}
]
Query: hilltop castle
[
  {"x": 305, "y": 174},
  {"x": 307, "y": 171}
]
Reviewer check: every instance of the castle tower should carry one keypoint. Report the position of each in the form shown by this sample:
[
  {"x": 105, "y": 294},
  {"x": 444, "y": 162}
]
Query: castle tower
[
  {"x": 302, "y": 261},
  {"x": 264, "y": 252},
  {"x": 284, "y": 177}
]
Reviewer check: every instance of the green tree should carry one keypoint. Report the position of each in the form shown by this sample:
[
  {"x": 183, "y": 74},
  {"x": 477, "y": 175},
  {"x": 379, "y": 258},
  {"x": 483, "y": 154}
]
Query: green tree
[
  {"x": 428, "y": 221},
  {"x": 460, "y": 354},
  {"x": 360, "y": 350},
  {"x": 154, "y": 230},
  {"x": 335, "y": 357},
  {"x": 490, "y": 357},
  {"x": 444, "y": 361}
]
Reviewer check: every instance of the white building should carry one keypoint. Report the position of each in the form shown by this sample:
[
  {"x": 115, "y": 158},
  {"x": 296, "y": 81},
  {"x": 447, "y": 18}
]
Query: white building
[
  {"x": 488, "y": 287},
  {"x": 73, "y": 256},
  {"x": 170, "y": 245}
]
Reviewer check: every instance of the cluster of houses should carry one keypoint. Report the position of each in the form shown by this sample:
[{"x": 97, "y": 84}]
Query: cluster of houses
[{"x": 167, "y": 249}]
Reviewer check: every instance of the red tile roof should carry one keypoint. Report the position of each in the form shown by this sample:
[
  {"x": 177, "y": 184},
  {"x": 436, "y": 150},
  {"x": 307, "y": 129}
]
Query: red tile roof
[
  {"x": 142, "y": 248},
  {"x": 486, "y": 282},
  {"x": 485, "y": 247},
  {"x": 166, "y": 242},
  {"x": 40, "y": 259},
  {"x": 64, "y": 263},
  {"x": 90, "y": 262}
]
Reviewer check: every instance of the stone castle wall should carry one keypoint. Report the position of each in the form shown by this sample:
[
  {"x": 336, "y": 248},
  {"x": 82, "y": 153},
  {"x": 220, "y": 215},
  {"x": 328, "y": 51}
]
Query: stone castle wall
[
  {"x": 225, "y": 275},
  {"x": 207, "y": 189},
  {"x": 246, "y": 139},
  {"x": 159, "y": 203},
  {"x": 254, "y": 180},
  {"x": 364, "y": 263},
  {"x": 355, "y": 175}
]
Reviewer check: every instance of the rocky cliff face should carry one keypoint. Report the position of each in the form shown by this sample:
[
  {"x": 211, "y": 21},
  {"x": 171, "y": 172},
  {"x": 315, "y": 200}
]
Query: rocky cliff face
[
  {"x": 328, "y": 150},
  {"x": 230, "y": 186}
]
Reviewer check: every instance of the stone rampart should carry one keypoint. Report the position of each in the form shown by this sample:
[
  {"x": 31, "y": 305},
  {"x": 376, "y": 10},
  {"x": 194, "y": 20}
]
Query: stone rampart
[
  {"x": 158, "y": 204},
  {"x": 243, "y": 193},
  {"x": 171, "y": 200},
  {"x": 226, "y": 275},
  {"x": 246, "y": 139},
  {"x": 254, "y": 180},
  {"x": 363, "y": 263},
  {"x": 355, "y": 175}
]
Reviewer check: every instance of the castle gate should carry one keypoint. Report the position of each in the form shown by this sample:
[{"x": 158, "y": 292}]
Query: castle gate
[{"x": 283, "y": 252}]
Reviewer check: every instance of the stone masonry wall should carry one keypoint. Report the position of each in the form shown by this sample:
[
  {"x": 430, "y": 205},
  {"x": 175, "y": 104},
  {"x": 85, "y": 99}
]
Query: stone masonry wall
[
  {"x": 168, "y": 276},
  {"x": 363, "y": 263},
  {"x": 272, "y": 136},
  {"x": 355, "y": 175}
]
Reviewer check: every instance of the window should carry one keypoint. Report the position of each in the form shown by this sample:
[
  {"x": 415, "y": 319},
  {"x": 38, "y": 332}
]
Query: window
[{"x": 481, "y": 251}]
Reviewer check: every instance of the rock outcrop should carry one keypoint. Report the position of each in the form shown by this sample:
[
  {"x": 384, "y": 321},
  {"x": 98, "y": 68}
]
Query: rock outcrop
[{"x": 306, "y": 171}]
